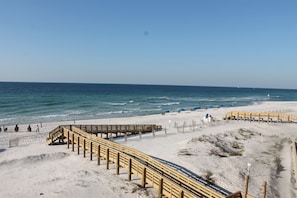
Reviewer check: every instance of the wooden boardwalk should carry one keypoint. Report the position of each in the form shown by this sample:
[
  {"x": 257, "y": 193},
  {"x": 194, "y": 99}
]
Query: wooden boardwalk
[
  {"x": 260, "y": 116},
  {"x": 166, "y": 180},
  {"x": 109, "y": 131}
]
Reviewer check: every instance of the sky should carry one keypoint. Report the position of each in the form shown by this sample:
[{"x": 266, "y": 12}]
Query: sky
[{"x": 233, "y": 43}]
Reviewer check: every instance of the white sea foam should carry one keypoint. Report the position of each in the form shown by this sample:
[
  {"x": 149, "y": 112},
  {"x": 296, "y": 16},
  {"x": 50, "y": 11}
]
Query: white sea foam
[
  {"x": 117, "y": 103},
  {"x": 170, "y": 103},
  {"x": 149, "y": 110},
  {"x": 158, "y": 98}
]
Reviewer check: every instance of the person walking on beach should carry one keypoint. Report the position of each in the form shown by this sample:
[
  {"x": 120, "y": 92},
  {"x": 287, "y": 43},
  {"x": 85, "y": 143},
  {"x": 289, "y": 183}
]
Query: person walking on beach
[
  {"x": 29, "y": 129},
  {"x": 16, "y": 128}
]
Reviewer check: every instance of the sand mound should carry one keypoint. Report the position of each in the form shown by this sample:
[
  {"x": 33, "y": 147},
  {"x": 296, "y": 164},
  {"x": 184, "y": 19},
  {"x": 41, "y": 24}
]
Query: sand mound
[
  {"x": 233, "y": 150},
  {"x": 35, "y": 159}
]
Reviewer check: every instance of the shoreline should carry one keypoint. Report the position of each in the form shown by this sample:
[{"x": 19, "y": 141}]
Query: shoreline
[
  {"x": 23, "y": 127},
  {"x": 260, "y": 144}
]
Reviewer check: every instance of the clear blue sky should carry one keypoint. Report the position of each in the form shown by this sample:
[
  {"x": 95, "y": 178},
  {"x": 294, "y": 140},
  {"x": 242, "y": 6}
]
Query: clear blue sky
[{"x": 246, "y": 43}]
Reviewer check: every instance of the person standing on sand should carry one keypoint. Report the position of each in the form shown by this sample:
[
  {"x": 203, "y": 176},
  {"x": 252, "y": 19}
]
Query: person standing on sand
[
  {"x": 16, "y": 128},
  {"x": 29, "y": 128}
]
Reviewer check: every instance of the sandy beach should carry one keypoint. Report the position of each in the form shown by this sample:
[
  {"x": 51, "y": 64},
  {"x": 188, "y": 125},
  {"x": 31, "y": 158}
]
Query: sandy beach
[{"x": 30, "y": 168}]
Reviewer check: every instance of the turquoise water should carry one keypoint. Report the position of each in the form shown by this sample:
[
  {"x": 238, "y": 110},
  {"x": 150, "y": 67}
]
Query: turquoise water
[{"x": 23, "y": 103}]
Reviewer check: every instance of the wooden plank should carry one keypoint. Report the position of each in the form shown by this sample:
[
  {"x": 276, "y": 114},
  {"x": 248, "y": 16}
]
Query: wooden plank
[
  {"x": 107, "y": 158},
  {"x": 91, "y": 151}
]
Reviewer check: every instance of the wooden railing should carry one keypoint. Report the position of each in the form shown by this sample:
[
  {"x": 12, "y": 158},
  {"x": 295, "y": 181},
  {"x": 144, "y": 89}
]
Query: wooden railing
[
  {"x": 127, "y": 128},
  {"x": 108, "y": 130},
  {"x": 260, "y": 116},
  {"x": 55, "y": 134},
  {"x": 168, "y": 181}
]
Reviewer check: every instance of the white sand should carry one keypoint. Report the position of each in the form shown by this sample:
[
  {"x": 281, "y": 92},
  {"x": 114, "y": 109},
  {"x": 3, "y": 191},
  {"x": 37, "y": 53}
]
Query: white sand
[{"x": 34, "y": 169}]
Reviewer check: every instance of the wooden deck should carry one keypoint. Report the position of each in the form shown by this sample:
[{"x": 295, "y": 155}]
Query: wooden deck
[
  {"x": 166, "y": 180},
  {"x": 260, "y": 116},
  {"x": 107, "y": 131}
]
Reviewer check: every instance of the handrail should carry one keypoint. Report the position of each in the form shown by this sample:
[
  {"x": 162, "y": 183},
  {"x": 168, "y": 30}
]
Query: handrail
[
  {"x": 260, "y": 116},
  {"x": 161, "y": 176},
  {"x": 111, "y": 128},
  {"x": 186, "y": 182}
]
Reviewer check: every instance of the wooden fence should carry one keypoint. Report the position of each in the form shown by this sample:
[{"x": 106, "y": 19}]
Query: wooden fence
[{"x": 263, "y": 116}]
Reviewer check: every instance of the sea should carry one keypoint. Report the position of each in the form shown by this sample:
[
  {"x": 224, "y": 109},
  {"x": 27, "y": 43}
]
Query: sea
[{"x": 26, "y": 103}]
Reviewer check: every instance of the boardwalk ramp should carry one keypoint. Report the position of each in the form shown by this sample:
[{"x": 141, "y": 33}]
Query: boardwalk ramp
[{"x": 167, "y": 178}]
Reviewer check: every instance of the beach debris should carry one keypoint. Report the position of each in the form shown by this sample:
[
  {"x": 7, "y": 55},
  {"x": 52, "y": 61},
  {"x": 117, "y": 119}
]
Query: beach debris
[
  {"x": 209, "y": 176},
  {"x": 184, "y": 152}
]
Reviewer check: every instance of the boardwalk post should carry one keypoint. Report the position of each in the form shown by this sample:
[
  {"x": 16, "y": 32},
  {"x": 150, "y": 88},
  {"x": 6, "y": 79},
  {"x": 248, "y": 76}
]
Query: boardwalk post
[
  {"x": 264, "y": 189},
  {"x": 165, "y": 131},
  {"x": 160, "y": 192},
  {"x": 77, "y": 145},
  {"x": 143, "y": 179},
  {"x": 246, "y": 183},
  {"x": 140, "y": 135},
  {"x": 107, "y": 158},
  {"x": 84, "y": 147},
  {"x": 259, "y": 117},
  {"x": 118, "y": 163},
  {"x": 126, "y": 137},
  {"x": 91, "y": 150},
  {"x": 289, "y": 118},
  {"x": 154, "y": 133},
  {"x": 72, "y": 142},
  {"x": 98, "y": 155},
  {"x": 181, "y": 194},
  {"x": 68, "y": 139},
  {"x": 130, "y": 169}
]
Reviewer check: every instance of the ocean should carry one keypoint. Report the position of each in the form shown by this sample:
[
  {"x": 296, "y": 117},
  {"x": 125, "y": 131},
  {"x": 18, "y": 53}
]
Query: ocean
[{"x": 25, "y": 103}]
